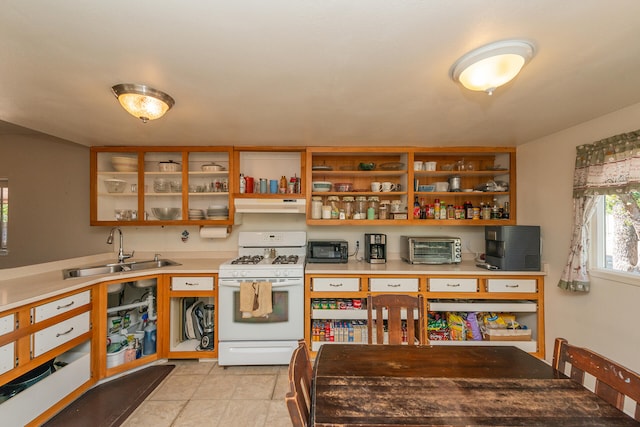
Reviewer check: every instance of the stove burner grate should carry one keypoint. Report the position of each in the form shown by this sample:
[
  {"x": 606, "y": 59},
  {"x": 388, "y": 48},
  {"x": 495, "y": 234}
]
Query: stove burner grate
[
  {"x": 248, "y": 259},
  {"x": 286, "y": 259}
]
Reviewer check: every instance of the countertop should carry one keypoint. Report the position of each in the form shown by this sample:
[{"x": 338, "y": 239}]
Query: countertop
[
  {"x": 399, "y": 267},
  {"x": 27, "y": 285}
]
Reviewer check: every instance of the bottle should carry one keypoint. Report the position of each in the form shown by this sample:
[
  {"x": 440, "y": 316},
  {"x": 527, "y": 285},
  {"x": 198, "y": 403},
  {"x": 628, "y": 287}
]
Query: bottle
[
  {"x": 149, "y": 340},
  {"x": 416, "y": 208},
  {"x": 468, "y": 207},
  {"x": 243, "y": 184},
  {"x": 283, "y": 185},
  {"x": 436, "y": 208}
]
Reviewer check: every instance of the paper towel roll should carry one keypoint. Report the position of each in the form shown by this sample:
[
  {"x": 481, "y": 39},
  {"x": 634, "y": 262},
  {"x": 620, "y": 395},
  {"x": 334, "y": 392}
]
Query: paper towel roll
[{"x": 214, "y": 232}]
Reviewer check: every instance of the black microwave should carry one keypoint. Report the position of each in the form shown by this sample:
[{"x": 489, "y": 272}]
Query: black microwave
[{"x": 327, "y": 251}]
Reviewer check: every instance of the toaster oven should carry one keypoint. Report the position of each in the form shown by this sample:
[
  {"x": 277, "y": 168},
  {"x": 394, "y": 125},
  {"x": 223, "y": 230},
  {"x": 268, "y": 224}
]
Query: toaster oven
[{"x": 431, "y": 250}]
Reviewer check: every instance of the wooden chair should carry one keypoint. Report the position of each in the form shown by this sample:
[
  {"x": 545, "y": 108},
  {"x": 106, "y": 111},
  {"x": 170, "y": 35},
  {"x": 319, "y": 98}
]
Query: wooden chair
[
  {"x": 612, "y": 381},
  {"x": 394, "y": 305},
  {"x": 298, "y": 399}
]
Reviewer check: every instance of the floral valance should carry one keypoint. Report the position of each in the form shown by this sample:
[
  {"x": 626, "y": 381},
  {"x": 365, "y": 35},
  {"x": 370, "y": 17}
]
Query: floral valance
[{"x": 609, "y": 166}]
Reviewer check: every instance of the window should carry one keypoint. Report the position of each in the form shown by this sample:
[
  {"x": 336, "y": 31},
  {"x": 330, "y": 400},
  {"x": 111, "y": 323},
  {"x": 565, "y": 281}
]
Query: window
[
  {"x": 615, "y": 231},
  {"x": 4, "y": 215}
]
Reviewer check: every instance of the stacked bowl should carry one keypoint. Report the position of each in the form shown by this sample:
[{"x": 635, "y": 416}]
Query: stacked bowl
[{"x": 196, "y": 214}]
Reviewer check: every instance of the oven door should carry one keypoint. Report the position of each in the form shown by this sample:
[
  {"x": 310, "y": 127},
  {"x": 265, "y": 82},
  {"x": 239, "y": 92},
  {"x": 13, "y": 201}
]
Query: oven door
[{"x": 286, "y": 322}]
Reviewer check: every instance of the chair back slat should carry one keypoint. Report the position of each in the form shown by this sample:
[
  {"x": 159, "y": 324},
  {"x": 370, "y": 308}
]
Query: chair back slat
[
  {"x": 612, "y": 381},
  {"x": 298, "y": 399},
  {"x": 395, "y": 305}
]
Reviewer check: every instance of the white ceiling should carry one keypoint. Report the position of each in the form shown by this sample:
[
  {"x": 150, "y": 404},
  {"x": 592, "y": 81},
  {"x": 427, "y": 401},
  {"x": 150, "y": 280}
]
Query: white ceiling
[{"x": 323, "y": 72}]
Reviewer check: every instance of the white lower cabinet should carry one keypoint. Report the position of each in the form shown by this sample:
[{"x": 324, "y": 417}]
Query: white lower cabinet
[
  {"x": 33, "y": 401},
  {"x": 60, "y": 333},
  {"x": 7, "y": 357}
]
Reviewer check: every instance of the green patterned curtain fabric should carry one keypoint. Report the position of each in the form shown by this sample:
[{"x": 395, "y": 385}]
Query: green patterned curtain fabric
[{"x": 609, "y": 166}]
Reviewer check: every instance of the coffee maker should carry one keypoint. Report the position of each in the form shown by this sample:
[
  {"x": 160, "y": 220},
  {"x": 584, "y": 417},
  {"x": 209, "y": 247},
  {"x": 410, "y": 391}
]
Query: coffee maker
[{"x": 375, "y": 248}]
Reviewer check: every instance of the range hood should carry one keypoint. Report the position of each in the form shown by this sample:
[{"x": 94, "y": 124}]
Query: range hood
[{"x": 258, "y": 205}]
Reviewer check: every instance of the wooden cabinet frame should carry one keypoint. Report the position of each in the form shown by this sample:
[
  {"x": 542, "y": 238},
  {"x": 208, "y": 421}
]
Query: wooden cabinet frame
[{"x": 480, "y": 297}]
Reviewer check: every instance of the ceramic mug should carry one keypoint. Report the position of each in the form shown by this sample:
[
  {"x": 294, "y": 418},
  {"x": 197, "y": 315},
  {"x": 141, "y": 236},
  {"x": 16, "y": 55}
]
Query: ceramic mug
[
  {"x": 376, "y": 186},
  {"x": 388, "y": 186},
  {"x": 417, "y": 166}
]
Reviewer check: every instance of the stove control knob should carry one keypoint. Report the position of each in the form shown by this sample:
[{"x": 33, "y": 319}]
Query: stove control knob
[
  {"x": 278, "y": 273},
  {"x": 243, "y": 274},
  {"x": 286, "y": 272},
  {"x": 234, "y": 274}
]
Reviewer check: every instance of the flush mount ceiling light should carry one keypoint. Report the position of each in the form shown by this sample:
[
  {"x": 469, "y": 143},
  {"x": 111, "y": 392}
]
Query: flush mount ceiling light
[
  {"x": 492, "y": 65},
  {"x": 143, "y": 102}
]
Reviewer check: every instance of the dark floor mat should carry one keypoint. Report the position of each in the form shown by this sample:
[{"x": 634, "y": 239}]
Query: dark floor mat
[{"x": 109, "y": 404}]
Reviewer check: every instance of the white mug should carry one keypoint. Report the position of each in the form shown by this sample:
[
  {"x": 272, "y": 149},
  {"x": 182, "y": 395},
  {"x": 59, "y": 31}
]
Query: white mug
[
  {"x": 417, "y": 165},
  {"x": 376, "y": 186},
  {"x": 388, "y": 186},
  {"x": 430, "y": 166}
]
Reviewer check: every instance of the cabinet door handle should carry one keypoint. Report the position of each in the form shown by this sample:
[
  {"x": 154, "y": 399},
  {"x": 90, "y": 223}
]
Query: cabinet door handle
[
  {"x": 391, "y": 285},
  {"x": 190, "y": 284},
  {"x": 512, "y": 286},
  {"x": 335, "y": 285},
  {"x": 453, "y": 285},
  {"x": 65, "y": 306},
  {"x": 64, "y": 333}
]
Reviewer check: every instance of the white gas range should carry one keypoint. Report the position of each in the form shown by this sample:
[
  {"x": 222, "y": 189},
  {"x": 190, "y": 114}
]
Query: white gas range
[{"x": 277, "y": 258}]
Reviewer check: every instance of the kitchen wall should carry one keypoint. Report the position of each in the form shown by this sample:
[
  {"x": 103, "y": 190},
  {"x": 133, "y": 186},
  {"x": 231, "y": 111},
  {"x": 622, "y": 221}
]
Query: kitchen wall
[
  {"x": 48, "y": 199},
  {"x": 605, "y": 319}
]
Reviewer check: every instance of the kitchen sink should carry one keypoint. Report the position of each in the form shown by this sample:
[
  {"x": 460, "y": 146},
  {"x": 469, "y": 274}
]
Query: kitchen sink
[{"x": 116, "y": 268}]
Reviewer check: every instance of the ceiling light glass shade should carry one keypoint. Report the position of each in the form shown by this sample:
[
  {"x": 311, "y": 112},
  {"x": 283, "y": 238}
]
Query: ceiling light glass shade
[
  {"x": 142, "y": 101},
  {"x": 493, "y": 65}
]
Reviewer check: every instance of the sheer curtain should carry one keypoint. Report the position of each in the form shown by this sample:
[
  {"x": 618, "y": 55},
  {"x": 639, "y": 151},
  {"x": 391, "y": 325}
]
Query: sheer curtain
[{"x": 609, "y": 166}]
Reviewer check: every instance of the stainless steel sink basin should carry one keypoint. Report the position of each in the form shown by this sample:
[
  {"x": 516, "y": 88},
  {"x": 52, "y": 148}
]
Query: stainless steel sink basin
[{"x": 116, "y": 268}]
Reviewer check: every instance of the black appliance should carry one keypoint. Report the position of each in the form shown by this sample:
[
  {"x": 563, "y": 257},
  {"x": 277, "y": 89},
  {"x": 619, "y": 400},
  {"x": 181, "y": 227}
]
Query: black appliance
[
  {"x": 327, "y": 251},
  {"x": 512, "y": 247},
  {"x": 375, "y": 248}
]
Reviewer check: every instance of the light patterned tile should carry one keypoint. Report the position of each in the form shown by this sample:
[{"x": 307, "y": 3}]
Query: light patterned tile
[
  {"x": 278, "y": 415},
  {"x": 254, "y": 386},
  {"x": 190, "y": 367},
  {"x": 199, "y": 413},
  {"x": 177, "y": 387},
  {"x": 245, "y": 413},
  {"x": 281, "y": 388},
  {"x": 216, "y": 387},
  {"x": 155, "y": 413}
]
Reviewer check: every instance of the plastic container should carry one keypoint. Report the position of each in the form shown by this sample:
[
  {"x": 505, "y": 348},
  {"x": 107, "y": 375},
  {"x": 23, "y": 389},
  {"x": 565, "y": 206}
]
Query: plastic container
[{"x": 150, "y": 337}]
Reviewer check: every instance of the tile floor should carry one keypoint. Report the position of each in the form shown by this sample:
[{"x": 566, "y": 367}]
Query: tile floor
[{"x": 205, "y": 394}]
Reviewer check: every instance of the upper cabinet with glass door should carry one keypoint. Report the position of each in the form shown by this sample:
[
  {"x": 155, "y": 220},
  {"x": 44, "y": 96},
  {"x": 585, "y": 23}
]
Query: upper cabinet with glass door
[{"x": 160, "y": 185}]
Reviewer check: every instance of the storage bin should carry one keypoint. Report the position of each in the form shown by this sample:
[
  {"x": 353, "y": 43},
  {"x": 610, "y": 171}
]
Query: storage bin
[{"x": 508, "y": 334}]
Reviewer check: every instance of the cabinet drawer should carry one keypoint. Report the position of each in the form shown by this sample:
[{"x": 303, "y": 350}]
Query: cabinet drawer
[
  {"x": 453, "y": 285},
  {"x": 192, "y": 283},
  {"x": 7, "y": 357},
  {"x": 62, "y": 305},
  {"x": 60, "y": 333},
  {"x": 7, "y": 324},
  {"x": 336, "y": 284},
  {"x": 393, "y": 284},
  {"x": 511, "y": 285}
]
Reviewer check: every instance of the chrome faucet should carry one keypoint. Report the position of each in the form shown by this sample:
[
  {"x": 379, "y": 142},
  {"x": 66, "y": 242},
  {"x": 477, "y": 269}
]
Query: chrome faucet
[{"x": 121, "y": 255}]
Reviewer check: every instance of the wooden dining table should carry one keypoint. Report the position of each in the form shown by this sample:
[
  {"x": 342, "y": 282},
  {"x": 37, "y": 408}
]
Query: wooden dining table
[{"x": 387, "y": 385}]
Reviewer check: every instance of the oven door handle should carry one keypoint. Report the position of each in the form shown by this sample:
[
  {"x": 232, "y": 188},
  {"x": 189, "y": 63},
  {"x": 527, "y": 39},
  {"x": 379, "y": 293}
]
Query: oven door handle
[{"x": 274, "y": 285}]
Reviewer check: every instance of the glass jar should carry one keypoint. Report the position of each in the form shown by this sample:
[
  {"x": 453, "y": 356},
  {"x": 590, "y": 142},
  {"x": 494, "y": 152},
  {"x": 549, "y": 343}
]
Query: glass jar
[
  {"x": 316, "y": 207},
  {"x": 334, "y": 202},
  {"x": 360, "y": 211},
  {"x": 347, "y": 205},
  {"x": 385, "y": 209},
  {"x": 373, "y": 207}
]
